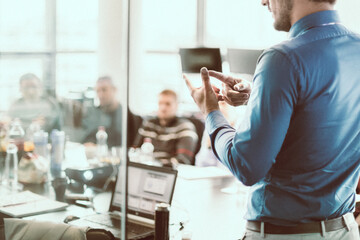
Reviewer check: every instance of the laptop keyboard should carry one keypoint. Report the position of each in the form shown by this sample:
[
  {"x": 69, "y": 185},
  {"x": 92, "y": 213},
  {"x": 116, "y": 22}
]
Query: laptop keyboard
[{"x": 112, "y": 221}]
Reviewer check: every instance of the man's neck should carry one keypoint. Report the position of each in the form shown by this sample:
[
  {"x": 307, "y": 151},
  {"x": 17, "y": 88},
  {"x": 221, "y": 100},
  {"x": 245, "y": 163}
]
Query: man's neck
[
  {"x": 110, "y": 108},
  {"x": 303, "y": 8},
  {"x": 166, "y": 121}
]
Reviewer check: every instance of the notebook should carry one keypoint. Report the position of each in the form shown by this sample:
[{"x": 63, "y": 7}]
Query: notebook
[
  {"x": 147, "y": 186},
  {"x": 27, "y": 203}
]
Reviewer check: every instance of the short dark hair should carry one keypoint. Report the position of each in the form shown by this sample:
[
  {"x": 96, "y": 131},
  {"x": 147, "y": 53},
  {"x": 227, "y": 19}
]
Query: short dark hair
[
  {"x": 29, "y": 76},
  {"x": 106, "y": 79},
  {"x": 168, "y": 92},
  {"x": 319, "y": 1}
]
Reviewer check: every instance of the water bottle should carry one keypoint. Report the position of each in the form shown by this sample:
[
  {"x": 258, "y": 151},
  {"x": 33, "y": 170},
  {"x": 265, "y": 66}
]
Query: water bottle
[
  {"x": 41, "y": 142},
  {"x": 101, "y": 143},
  {"x": 31, "y": 130},
  {"x": 134, "y": 154},
  {"x": 11, "y": 166},
  {"x": 147, "y": 152},
  {"x": 17, "y": 134},
  {"x": 57, "y": 152}
]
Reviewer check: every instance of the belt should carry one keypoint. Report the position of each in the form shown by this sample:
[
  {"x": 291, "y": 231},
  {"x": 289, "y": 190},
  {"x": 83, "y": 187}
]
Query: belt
[{"x": 311, "y": 227}]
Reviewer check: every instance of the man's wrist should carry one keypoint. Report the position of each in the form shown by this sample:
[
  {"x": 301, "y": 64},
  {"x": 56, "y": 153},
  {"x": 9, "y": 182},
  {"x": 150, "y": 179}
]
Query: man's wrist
[
  {"x": 214, "y": 120},
  {"x": 208, "y": 111}
]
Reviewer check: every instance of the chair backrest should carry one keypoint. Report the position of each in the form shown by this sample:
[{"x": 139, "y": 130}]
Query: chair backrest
[
  {"x": 200, "y": 128},
  {"x": 96, "y": 234},
  {"x": 134, "y": 123},
  {"x": 16, "y": 229}
]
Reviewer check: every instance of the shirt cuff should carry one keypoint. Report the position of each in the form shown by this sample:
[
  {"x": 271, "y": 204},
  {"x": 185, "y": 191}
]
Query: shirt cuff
[{"x": 215, "y": 120}]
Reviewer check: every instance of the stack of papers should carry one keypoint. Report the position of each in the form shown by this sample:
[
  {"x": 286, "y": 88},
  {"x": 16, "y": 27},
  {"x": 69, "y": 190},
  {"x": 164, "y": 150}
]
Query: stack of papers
[{"x": 28, "y": 203}]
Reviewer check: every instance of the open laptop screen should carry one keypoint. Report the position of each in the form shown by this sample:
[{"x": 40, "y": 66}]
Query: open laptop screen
[
  {"x": 147, "y": 186},
  {"x": 243, "y": 60}
]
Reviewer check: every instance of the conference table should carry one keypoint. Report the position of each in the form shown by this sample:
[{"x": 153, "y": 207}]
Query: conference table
[{"x": 208, "y": 202}]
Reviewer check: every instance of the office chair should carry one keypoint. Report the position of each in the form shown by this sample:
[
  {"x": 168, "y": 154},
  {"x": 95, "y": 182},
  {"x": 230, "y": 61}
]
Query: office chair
[
  {"x": 96, "y": 234},
  {"x": 199, "y": 128},
  {"x": 17, "y": 229}
]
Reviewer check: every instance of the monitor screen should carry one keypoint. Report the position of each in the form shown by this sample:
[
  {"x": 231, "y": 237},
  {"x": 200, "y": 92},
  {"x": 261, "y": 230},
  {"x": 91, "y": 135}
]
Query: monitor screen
[
  {"x": 243, "y": 60},
  {"x": 193, "y": 59}
]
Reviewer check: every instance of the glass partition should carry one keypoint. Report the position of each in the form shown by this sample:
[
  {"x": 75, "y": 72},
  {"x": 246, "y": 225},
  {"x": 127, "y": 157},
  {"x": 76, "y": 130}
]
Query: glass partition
[{"x": 64, "y": 81}]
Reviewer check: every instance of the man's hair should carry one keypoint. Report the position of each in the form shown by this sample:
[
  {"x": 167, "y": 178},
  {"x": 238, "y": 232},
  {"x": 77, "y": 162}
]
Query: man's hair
[
  {"x": 106, "y": 79},
  {"x": 28, "y": 76},
  {"x": 168, "y": 92},
  {"x": 319, "y": 1}
]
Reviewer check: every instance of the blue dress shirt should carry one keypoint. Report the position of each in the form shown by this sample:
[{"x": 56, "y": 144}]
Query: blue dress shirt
[{"x": 299, "y": 145}]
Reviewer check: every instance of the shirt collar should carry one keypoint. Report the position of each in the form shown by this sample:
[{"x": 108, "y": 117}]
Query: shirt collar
[{"x": 314, "y": 20}]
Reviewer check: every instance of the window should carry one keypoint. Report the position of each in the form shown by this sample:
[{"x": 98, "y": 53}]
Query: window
[
  {"x": 77, "y": 25},
  {"x": 23, "y": 26},
  {"x": 349, "y": 13},
  {"x": 240, "y": 24},
  {"x": 163, "y": 28},
  {"x": 30, "y": 44}
]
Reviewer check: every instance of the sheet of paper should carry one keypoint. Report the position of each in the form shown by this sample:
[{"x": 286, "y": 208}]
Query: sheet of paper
[{"x": 27, "y": 203}]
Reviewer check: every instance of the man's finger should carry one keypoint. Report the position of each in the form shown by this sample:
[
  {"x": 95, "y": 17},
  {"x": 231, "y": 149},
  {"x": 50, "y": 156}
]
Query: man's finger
[
  {"x": 226, "y": 89},
  {"x": 228, "y": 101},
  {"x": 235, "y": 95},
  {"x": 216, "y": 89},
  {"x": 225, "y": 79},
  {"x": 188, "y": 83},
  {"x": 242, "y": 86},
  {"x": 218, "y": 96},
  {"x": 206, "y": 79}
]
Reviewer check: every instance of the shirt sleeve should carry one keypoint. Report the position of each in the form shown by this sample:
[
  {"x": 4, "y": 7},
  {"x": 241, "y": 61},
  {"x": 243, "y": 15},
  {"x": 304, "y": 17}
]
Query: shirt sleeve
[{"x": 250, "y": 151}]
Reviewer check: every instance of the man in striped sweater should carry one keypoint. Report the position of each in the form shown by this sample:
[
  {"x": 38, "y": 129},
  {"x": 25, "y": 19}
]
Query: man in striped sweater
[{"x": 174, "y": 138}]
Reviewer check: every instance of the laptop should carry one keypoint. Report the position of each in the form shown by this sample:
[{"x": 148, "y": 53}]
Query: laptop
[{"x": 147, "y": 186}]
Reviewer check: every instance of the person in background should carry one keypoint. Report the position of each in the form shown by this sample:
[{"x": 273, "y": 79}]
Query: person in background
[
  {"x": 174, "y": 138},
  {"x": 36, "y": 107},
  {"x": 298, "y": 146},
  {"x": 108, "y": 114}
]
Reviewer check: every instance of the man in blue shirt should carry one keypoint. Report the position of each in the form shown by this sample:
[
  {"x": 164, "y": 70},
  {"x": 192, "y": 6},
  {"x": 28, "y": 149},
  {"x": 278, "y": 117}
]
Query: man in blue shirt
[{"x": 299, "y": 145}]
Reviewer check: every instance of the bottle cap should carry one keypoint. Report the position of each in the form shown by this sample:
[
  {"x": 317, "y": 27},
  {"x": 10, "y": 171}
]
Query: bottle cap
[
  {"x": 147, "y": 140},
  {"x": 162, "y": 206}
]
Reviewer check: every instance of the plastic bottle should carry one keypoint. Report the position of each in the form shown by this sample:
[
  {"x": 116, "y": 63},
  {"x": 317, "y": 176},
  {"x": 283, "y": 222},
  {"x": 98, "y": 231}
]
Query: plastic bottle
[
  {"x": 17, "y": 134},
  {"x": 134, "y": 154},
  {"x": 101, "y": 143},
  {"x": 41, "y": 142},
  {"x": 147, "y": 152},
  {"x": 57, "y": 152},
  {"x": 11, "y": 166}
]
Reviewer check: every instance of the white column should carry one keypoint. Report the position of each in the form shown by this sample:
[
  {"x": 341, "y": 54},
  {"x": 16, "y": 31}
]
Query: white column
[{"x": 112, "y": 48}]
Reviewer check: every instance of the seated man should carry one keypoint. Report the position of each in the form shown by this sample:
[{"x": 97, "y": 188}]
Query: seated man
[
  {"x": 109, "y": 115},
  {"x": 33, "y": 106},
  {"x": 174, "y": 138}
]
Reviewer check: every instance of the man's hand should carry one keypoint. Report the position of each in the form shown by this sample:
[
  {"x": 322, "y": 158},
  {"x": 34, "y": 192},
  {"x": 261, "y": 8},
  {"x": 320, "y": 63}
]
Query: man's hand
[
  {"x": 235, "y": 91},
  {"x": 206, "y": 97}
]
